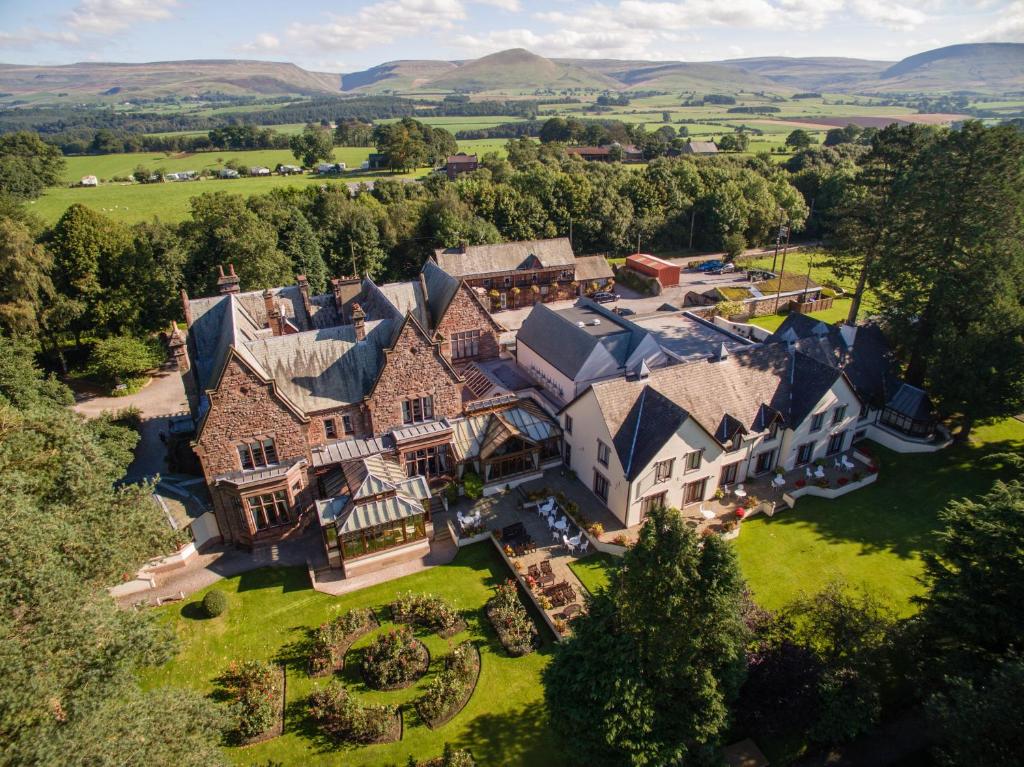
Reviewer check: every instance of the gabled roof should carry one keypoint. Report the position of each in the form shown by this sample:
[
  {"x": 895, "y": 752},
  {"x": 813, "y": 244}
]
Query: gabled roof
[
  {"x": 593, "y": 268},
  {"x": 505, "y": 257},
  {"x": 703, "y": 147},
  {"x": 558, "y": 338},
  {"x": 650, "y": 422},
  {"x": 379, "y": 492},
  {"x": 478, "y": 435},
  {"x": 441, "y": 289}
]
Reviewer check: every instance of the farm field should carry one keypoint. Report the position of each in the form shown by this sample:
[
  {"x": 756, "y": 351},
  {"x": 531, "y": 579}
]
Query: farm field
[{"x": 269, "y": 614}]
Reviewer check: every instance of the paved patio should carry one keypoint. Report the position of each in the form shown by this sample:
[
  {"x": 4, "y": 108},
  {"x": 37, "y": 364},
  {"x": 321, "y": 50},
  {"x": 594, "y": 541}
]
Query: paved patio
[{"x": 500, "y": 511}]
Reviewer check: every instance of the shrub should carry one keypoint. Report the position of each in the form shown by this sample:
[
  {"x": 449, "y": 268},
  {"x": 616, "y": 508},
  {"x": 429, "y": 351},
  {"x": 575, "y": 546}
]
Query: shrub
[
  {"x": 510, "y": 620},
  {"x": 473, "y": 485},
  {"x": 394, "y": 659},
  {"x": 734, "y": 244},
  {"x": 325, "y": 652},
  {"x": 426, "y": 610},
  {"x": 254, "y": 689},
  {"x": 123, "y": 357},
  {"x": 343, "y": 719},
  {"x": 451, "y": 687},
  {"x": 597, "y": 529},
  {"x": 215, "y": 603}
]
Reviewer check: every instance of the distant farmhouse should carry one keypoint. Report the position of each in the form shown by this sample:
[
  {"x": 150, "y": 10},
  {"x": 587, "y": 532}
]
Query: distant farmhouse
[
  {"x": 630, "y": 153},
  {"x": 697, "y": 147},
  {"x": 460, "y": 163}
]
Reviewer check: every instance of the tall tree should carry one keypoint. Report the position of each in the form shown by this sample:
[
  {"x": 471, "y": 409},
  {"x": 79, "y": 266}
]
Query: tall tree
[
  {"x": 28, "y": 165},
  {"x": 25, "y": 283},
  {"x": 223, "y": 230},
  {"x": 299, "y": 242},
  {"x": 648, "y": 675},
  {"x": 315, "y": 143},
  {"x": 69, "y": 657}
]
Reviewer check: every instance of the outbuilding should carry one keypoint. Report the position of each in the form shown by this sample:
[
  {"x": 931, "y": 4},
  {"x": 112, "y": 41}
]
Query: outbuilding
[{"x": 666, "y": 273}]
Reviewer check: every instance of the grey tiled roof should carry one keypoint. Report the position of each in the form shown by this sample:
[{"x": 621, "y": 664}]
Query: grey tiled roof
[
  {"x": 592, "y": 268},
  {"x": 441, "y": 289},
  {"x": 505, "y": 257},
  {"x": 558, "y": 338},
  {"x": 347, "y": 449},
  {"x": 718, "y": 395}
]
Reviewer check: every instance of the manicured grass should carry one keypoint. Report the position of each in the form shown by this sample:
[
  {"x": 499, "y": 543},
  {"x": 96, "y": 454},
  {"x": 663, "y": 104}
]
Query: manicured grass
[
  {"x": 595, "y": 571},
  {"x": 840, "y": 309},
  {"x": 269, "y": 614},
  {"x": 874, "y": 537}
]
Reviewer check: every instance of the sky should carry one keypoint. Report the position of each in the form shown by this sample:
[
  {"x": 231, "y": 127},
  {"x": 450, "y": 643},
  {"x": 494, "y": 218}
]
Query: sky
[{"x": 350, "y": 35}]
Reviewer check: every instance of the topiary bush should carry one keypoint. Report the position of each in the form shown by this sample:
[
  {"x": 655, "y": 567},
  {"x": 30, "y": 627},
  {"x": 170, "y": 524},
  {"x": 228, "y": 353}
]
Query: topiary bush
[{"x": 215, "y": 603}]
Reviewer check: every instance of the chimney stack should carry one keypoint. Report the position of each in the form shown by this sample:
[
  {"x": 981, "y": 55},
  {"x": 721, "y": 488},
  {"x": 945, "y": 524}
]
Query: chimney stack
[
  {"x": 274, "y": 320},
  {"x": 358, "y": 322},
  {"x": 179, "y": 350},
  {"x": 304, "y": 292},
  {"x": 187, "y": 307},
  {"x": 345, "y": 290},
  {"x": 227, "y": 283}
]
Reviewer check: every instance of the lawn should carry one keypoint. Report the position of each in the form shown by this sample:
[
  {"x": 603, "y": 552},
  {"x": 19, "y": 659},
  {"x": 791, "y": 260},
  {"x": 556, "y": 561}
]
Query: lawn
[
  {"x": 874, "y": 537},
  {"x": 594, "y": 571},
  {"x": 840, "y": 309},
  {"x": 269, "y": 613}
]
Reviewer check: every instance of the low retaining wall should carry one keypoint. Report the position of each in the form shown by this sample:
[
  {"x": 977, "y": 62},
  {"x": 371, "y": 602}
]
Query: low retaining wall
[
  {"x": 826, "y": 492},
  {"x": 498, "y": 487},
  {"x": 900, "y": 444},
  {"x": 744, "y": 329},
  {"x": 521, "y": 580}
]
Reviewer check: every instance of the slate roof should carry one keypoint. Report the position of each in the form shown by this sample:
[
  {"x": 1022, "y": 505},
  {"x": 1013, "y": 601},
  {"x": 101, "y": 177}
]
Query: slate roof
[
  {"x": 743, "y": 391},
  {"x": 441, "y": 289},
  {"x": 593, "y": 268},
  {"x": 557, "y": 337},
  {"x": 505, "y": 257},
  {"x": 703, "y": 147}
]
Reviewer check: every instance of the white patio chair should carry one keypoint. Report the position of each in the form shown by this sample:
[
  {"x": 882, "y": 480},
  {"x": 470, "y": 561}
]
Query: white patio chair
[
  {"x": 706, "y": 513},
  {"x": 738, "y": 487},
  {"x": 838, "y": 464},
  {"x": 551, "y": 523},
  {"x": 584, "y": 545},
  {"x": 568, "y": 544},
  {"x": 820, "y": 472},
  {"x": 847, "y": 463},
  {"x": 807, "y": 471}
]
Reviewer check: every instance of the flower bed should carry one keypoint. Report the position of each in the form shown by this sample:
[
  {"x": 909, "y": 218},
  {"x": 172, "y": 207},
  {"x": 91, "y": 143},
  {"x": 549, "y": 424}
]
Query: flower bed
[
  {"x": 256, "y": 692},
  {"x": 518, "y": 634},
  {"x": 395, "y": 660},
  {"x": 428, "y": 611},
  {"x": 333, "y": 638},
  {"x": 452, "y": 688},
  {"x": 344, "y": 720}
]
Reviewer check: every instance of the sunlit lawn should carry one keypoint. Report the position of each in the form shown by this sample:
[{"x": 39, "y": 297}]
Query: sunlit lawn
[
  {"x": 268, "y": 617},
  {"x": 874, "y": 537},
  {"x": 840, "y": 309},
  {"x": 594, "y": 571}
]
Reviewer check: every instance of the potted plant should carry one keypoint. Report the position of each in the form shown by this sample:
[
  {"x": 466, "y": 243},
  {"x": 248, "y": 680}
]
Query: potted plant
[
  {"x": 741, "y": 513},
  {"x": 719, "y": 494}
]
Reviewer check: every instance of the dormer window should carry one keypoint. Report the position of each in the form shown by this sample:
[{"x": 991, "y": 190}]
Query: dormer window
[
  {"x": 773, "y": 431},
  {"x": 257, "y": 454}
]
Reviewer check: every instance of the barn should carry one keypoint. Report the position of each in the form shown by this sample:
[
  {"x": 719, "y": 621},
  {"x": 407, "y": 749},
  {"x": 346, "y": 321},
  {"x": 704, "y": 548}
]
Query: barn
[{"x": 666, "y": 273}]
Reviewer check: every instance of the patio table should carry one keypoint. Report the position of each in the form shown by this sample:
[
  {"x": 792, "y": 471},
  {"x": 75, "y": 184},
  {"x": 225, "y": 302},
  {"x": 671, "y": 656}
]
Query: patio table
[
  {"x": 562, "y": 525},
  {"x": 779, "y": 481},
  {"x": 740, "y": 493}
]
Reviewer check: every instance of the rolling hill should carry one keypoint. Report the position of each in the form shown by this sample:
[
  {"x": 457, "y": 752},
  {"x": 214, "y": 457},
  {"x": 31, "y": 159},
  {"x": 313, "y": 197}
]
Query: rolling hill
[
  {"x": 989, "y": 68},
  {"x": 122, "y": 82}
]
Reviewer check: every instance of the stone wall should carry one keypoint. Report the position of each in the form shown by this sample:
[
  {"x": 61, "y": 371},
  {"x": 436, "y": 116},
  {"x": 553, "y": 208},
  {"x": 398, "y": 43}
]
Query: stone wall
[
  {"x": 466, "y": 313},
  {"x": 413, "y": 368}
]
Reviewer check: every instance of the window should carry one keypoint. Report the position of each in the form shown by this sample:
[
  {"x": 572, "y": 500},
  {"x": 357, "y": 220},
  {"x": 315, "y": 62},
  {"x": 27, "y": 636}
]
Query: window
[
  {"x": 386, "y": 536},
  {"x": 418, "y": 409},
  {"x": 693, "y": 460},
  {"x": 838, "y": 414},
  {"x": 567, "y": 459},
  {"x": 773, "y": 432},
  {"x": 255, "y": 455},
  {"x": 694, "y": 491},
  {"x": 859, "y": 435},
  {"x": 663, "y": 470},
  {"x": 568, "y": 424},
  {"x": 567, "y": 275},
  {"x": 603, "y": 453},
  {"x": 729, "y": 474},
  {"x": 600, "y": 486},
  {"x": 835, "y": 443},
  {"x": 330, "y": 428},
  {"x": 346, "y": 424},
  {"x": 465, "y": 343},
  {"x": 765, "y": 461},
  {"x": 865, "y": 411},
  {"x": 737, "y": 442},
  {"x": 650, "y": 503},
  {"x": 428, "y": 461},
  {"x": 817, "y": 421},
  {"x": 268, "y": 509},
  {"x": 803, "y": 455}
]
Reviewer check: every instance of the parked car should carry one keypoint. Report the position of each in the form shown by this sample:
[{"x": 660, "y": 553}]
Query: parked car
[
  {"x": 707, "y": 266},
  {"x": 623, "y": 311},
  {"x": 757, "y": 275},
  {"x": 604, "y": 297},
  {"x": 727, "y": 268}
]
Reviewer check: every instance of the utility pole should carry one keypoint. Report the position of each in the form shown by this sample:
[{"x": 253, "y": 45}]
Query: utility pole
[
  {"x": 782, "y": 271},
  {"x": 638, "y": 243},
  {"x": 693, "y": 218},
  {"x": 570, "y": 231},
  {"x": 783, "y": 232},
  {"x": 352, "y": 253}
]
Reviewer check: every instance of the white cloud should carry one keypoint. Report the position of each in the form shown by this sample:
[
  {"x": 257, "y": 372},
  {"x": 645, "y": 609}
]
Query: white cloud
[
  {"x": 104, "y": 16},
  {"x": 263, "y": 43},
  {"x": 505, "y": 5},
  {"x": 889, "y": 14},
  {"x": 1009, "y": 28},
  {"x": 378, "y": 23}
]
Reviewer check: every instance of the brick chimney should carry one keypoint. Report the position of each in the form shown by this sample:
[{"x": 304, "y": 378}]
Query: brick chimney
[
  {"x": 358, "y": 322},
  {"x": 186, "y": 307},
  {"x": 303, "y": 284},
  {"x": 227, "y": 283},
  {"x": 274, "y": 319},
  {"x": 179, "y": 351},
  {"x": 345, "y": 290}
]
